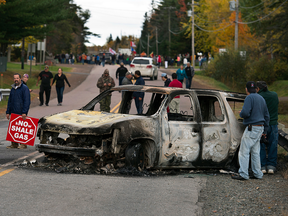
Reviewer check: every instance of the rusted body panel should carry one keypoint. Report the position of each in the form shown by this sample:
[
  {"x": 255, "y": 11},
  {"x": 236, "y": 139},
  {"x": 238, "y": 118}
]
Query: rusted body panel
[{"x": 205, "y": 133}]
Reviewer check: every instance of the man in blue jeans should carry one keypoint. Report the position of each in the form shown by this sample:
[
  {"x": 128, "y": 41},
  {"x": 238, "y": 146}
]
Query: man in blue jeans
[
  {"x": 269, "y": 161},
  {"x": 256, "y": 119},
  {"x": 189, "y": 70}
]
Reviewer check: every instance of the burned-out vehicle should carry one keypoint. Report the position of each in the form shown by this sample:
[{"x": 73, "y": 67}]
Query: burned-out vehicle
[{"x": 204, "y": 132}]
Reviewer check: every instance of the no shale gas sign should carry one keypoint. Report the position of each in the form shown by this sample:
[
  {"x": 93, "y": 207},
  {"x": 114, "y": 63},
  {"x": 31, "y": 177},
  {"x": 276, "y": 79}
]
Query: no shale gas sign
[{"x": 22, "y": 131}]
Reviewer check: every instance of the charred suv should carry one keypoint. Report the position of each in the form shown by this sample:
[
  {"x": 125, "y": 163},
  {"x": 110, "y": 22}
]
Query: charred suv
[{"x": 204, "y": 132}]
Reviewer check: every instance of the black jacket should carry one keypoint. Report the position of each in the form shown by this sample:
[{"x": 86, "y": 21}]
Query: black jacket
[
  {"x": 121, "y": 71},
  {"x": 60, "y": 81}
]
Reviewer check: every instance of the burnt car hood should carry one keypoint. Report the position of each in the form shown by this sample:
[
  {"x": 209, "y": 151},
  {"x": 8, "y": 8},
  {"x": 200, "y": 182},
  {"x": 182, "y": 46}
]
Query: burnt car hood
[{"x": 83, "y": 122}]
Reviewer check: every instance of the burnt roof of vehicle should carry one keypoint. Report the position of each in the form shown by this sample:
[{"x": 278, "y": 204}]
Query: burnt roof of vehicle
[{"x": 169, "y": 90}]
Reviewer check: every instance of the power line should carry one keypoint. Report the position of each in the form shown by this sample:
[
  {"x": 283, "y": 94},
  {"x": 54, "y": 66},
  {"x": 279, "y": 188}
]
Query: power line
[
  {"x": 264, "y": 16},
  {"x": 212, "y": 30},
  {"x": 251, "y": 6},
  {"x": 178, "y": 32}
]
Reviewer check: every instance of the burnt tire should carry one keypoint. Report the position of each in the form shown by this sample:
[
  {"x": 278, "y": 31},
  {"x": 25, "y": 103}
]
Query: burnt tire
[{"x": 134, "y": 155}]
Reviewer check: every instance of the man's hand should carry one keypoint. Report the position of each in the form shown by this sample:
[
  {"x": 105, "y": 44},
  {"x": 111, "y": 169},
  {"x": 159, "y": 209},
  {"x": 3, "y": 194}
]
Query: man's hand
[
  {"x": 24, "y": 116},
  {"x": 109, "y": 84},
  {"x": 140, "y": 98},
  {"x": 7, "y": 116},
  {"x": 105, "y": 84}
]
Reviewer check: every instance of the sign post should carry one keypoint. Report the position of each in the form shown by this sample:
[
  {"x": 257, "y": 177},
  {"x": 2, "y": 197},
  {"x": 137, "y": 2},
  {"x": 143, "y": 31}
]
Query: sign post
[{"x": 22, "y": 131}]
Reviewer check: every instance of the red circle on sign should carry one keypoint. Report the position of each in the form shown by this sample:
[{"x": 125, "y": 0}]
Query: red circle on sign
[{"x": 22, "y": 128}]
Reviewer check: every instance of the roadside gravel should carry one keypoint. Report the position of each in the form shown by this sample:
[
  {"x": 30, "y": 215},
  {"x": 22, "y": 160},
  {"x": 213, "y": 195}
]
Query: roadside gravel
[{"x": 226, "y": 196}]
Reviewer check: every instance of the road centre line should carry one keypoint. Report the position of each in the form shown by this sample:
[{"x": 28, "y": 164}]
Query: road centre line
[
  {"x": 114, "y": 108},
  {"x": 6, "y": 172},
  {"x": 16, "y": 160}
]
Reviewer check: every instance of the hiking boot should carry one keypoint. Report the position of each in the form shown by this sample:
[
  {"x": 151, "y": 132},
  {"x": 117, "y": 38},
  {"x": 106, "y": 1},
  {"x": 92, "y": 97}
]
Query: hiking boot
[
  {"x": 58, "y": 104},
  {"x": 47, "y": 104},
  {"x": 13, "y": 145},
  {"x": 41, "y": 104},
  {"x": 270, "y": 171},
  {"x": 22, "y": 146}
]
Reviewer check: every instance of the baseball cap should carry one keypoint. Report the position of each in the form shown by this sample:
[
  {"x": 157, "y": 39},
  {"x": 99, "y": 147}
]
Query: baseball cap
[
  {"x": 163, "y": 75},
  {"x": 26, "y": 75},
  {"x": 251, "y": 86},
  {"x": 46, "y": 66}
]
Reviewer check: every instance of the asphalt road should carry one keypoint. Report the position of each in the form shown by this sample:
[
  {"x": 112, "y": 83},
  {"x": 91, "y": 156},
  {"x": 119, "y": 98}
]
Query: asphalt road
[{"x": 33, "y": 192}]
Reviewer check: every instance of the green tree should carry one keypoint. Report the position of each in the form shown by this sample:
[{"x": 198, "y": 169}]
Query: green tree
[{"x": 20, "y": 19}]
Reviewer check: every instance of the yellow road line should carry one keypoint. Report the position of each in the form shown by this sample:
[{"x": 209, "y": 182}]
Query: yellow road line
[
  {"x": 6, "y": 172},
  {"x": 114, "y": 108},
  {"x": 117, "y": 110}
]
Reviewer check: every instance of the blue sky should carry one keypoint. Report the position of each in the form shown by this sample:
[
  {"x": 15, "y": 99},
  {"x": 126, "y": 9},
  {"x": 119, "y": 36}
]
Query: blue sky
[{"x": 114, "y": 17}]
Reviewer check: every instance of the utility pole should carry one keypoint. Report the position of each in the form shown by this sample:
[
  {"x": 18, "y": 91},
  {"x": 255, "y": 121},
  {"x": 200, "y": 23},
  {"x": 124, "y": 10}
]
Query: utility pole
[
  {"x": 148, "y": 44},
  {"x": 236, "y": 24},
  {"x": 193, "y": 49},
  {"x": 22, "y": 54},
  {"x": 156, "y": 41},
  {"x": 169, "y": 25}
]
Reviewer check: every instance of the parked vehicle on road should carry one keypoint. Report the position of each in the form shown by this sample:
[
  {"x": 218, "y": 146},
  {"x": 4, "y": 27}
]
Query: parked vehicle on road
[
  {"x": 108, "y": 57},
  {"x": 204, "y": 133},
  {"x": 145, "y": 66}
]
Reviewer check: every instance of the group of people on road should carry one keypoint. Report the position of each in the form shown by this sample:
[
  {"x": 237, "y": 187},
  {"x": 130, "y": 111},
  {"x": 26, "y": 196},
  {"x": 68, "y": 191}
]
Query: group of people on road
[
  {"x": 187, "y": 73},
  {"x": 260, "y": 111},
  {"x": 106, "y": 82},
  {"x": 19, "y": 98},
  {"x": 260, "y": 114}
]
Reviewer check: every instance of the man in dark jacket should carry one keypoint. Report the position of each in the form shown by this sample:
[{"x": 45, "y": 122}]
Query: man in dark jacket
[
  {"x": 18, "y": 103},
  {"x": 121, "y": 72},
  {"x": 46, "y": 82},
  {"x": 190, "y": 74},
  {"x": 139, "y": 96},
  {"x": 256, "y": 119},
  {"x": 127, "y": 81},
  {"x": 104, "y": 83},
  {"x": 268, "y": 164},
  {"x": 166, "y": 80}
]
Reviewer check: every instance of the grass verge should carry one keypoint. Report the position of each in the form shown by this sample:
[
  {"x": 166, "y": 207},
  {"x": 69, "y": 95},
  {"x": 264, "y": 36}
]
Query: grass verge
[
  {"x": 214, "y": 84},
  {"x": 281, "y": 87}
]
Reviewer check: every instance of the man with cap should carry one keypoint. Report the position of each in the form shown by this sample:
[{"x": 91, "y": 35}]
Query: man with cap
[
  {"x": 104, "y": 83},
  {"x": 46, "y": 82},
  {"x": 256, "y": 119},
  {"x": 269, "y": 162},
  {"x": 166, "y": 80},
  {"x": 121, "y": 72}
]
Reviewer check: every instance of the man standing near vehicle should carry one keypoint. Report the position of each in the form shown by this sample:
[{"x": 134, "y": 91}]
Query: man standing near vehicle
[
  {"x": 269, "y": 163},
  {"x": 46, "y": 82},
  {"x": 121, "y": 72},
  {"x": 127, "y": 81},
  {"x": 18, "y": 103},
  {"x": 166, "y": 80},
  {"x": 174, "y": 106},
  {"x": 139, "y": 96},
  {"x": 256, "y": 119},
  {"x": 189, "y": 70},
  {"x": 104, "y": 83}
]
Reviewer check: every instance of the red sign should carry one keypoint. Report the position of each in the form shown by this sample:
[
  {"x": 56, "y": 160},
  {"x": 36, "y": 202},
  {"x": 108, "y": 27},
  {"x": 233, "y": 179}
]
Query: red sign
[{"x": 22, "y": 131}]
